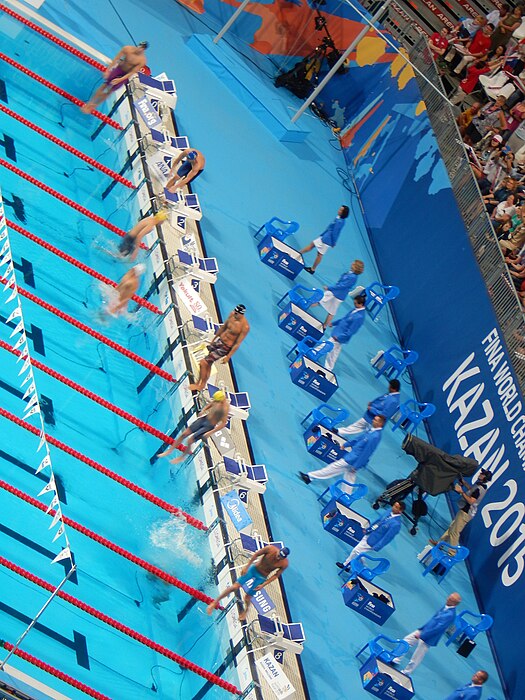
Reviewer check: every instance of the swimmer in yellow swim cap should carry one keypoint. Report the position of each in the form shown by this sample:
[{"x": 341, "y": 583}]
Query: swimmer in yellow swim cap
[{"x": 130, "y": 244}]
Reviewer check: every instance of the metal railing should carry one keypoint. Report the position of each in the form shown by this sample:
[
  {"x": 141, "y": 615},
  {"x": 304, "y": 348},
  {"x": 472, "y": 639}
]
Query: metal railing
[{"x": 479, "y": 228}]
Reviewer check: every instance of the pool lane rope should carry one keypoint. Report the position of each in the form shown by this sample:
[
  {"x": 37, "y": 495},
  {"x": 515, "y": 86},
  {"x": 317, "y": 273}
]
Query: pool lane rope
[
  {"x": 87, "y": 159},
  {"x": 150, "y": 568},
  {"x": 59, "y": 91},
  {"x": 60, "y": 42},
  {"x": 95, "y": 334},
  {"x": 66, "y": 200},
  {"x": 91, "y": 395},
  {"x": 128, "y": 631},
  {"x": 54, "y": 671},
  {"x": 168, "y": 507},
  {"x": 73, "y": 261}
]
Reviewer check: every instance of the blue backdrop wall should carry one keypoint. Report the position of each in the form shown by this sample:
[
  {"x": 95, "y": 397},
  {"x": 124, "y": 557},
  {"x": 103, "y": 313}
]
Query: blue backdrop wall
[{"x": 444, "y": 312}]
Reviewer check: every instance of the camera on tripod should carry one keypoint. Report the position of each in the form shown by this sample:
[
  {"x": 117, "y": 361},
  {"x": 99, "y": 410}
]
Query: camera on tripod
[{"x": 302, "y": 79}]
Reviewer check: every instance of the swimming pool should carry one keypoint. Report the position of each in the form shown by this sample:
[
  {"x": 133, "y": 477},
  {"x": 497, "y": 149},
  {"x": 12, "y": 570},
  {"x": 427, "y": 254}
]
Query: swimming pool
[{"x": 66, "y": 637}]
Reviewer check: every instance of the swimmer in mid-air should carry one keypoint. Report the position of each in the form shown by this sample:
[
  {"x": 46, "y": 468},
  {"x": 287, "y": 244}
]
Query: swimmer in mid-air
[
  {"x": 264, "y": 566},
  {"x": 192, "y": 164},
  {"x": 212, "y": 418},
  {"x": 130, "y": 244},
  {"x": 128, "y": 61},
  {"x": 125, "y": 290}
]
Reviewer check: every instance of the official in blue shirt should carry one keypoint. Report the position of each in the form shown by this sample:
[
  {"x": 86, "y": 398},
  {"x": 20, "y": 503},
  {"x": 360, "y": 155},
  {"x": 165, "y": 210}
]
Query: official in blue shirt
[
  {"x": 354, "y": 459},
  {"x": 337, "y": 293},
  {"x": 379, "y": 535},
  {"x": 431, "y": 632},
  {"x": 472, "y": 690},
  {"x": 344, "y": 329},
  {"x": 384, "y": 405},
  {"x": 327, "y": 239}
]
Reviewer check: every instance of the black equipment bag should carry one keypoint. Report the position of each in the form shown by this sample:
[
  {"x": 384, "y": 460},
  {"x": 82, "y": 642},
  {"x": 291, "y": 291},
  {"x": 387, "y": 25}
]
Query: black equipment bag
[{"x": 466, "y": 647}]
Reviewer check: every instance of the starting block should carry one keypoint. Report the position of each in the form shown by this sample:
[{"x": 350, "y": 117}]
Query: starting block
[{"x": 185, "y": 204}]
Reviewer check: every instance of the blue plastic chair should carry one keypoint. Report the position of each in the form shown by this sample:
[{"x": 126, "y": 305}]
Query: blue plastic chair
[
  {"x": 302, "y": 296},
  {"x": 352, "y": 492},
  {"x": 469, "y": 629},
  {"x": 360, "y": 567},
  {"x": 311, "y": 348},
  {"x": 411, "y": 413},
  {"x": 395, "y": 361},
  {"x": 377, "y": 297},
  {"x": 278, "y": 228},
  {"x": 446, "y": 555},
  {"x": 385, "y": 652},
  {"x": 321, "y": 416}
]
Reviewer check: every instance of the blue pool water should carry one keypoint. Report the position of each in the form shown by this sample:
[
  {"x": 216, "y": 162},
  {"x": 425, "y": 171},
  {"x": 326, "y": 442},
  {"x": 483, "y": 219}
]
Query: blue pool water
[{"x": 67, "y": 638}]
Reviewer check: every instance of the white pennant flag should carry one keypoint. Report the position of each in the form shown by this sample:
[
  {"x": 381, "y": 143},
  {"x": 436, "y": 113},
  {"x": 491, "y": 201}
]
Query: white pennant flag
[
  {"x": 35, "y": 409},
  {"x": 32, "y": 401},
  {"x": 42, "y": 440},
  {"x": 58, "y": 534},
  {"x": 18, "y": 329},
  {"x": 51, "y": 486},
  {"x": 28, "y": 378},
  {"x": 12, "y": 295},
  {"x": 26, "y": 364},
  {"x": 54, "y": 503},
  {"x": 64, "y": 554},
  {"x": 15, "y": 313},
  {"x": 57, "y": 516},
  {"x": 30, "y": 390},
  {"x": 6, "y": 259},
  {"x": 24, "y": 354},
  {"x": 9, "y": 269},
  {"x": 46, "y": 462},
  {"x": 5, "y": 247},
  {"x": 21, "y": 341}
]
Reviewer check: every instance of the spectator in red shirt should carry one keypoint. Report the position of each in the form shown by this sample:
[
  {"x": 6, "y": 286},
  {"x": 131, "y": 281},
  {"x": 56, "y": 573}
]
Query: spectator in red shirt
[
  {"x": 439, "y": 42},
  {"x": 478, "y": 48},
  {"x": 468, "y": 83}
]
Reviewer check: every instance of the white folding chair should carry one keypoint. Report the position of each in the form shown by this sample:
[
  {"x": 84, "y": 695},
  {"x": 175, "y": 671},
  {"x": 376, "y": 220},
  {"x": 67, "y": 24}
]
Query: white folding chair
[
  {"x": 189, "y": 265},
  {"x": 252, "y": 477},
  {"x": 288, "y": 636}
]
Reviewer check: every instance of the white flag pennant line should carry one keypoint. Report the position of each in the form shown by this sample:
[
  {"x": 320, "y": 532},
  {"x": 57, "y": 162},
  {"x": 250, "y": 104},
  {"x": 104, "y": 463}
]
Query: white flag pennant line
[{"x": 32, "y": 403}]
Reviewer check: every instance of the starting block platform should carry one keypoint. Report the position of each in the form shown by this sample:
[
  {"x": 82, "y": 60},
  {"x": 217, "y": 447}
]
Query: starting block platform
[{"x": 261, "y": 99}]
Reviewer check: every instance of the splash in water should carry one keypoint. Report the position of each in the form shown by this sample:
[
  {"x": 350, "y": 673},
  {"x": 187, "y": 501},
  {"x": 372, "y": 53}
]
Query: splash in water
[{"x": 173, "y": 536}]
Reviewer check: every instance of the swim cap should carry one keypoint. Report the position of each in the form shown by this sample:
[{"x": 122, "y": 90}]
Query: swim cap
[
  {"x": 140, "y": 269},
  {"x": 284, "y": 552},
  {"x": 162, "y": 215},
  {"x": 240, "y": 309},
  {"x": 219, "y": 396},
  {"x": 143, "y": 45},
  {"x": 192, "y": 155}
]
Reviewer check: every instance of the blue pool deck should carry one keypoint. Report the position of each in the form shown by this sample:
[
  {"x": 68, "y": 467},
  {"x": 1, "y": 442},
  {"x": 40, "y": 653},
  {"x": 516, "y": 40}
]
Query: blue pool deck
[{"x": 250, "y": 176}]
